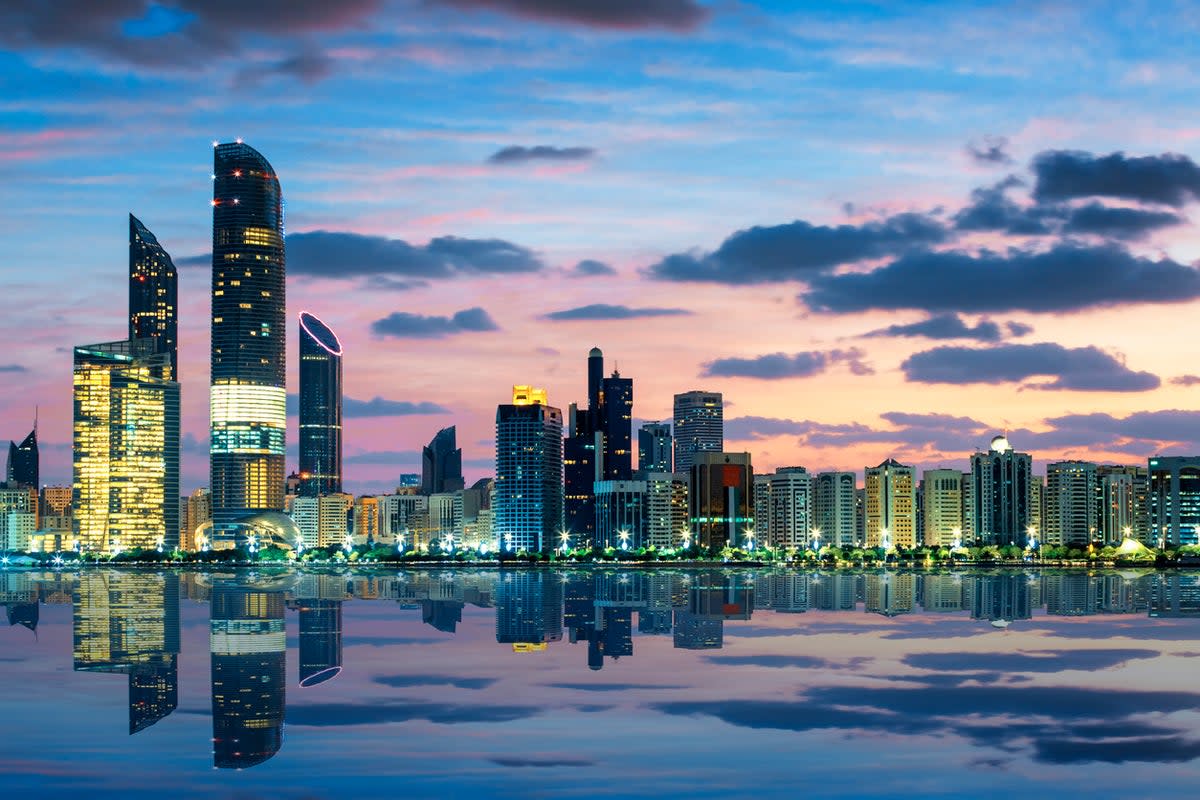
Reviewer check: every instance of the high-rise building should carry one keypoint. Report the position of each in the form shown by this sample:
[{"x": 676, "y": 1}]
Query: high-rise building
[
  {"x": 1175, "y": 500},
  {"x": 23, "y": 461},
  {"x": 320, "y": 640},
  {"x": 890, "y": 505},
  {"x": 616, "y": 423},
  {"x": 323, "y": 521},
  {"x": 441, "y": 464},
  {"x": 249, "y": 674},
  {"x": 666, "y": 509},
  {"x": 1037, "y": 503},
  {"x": 699, "y": 426},
  {"x": 654, "y": 447},
  {"x": 366, "y": 520},
  {"x": 833, "y": 508},
  {"x": 527, "y": 512},
  {"x": 126, "y": 447},
  {"x": 790, "y": 522},
  {"x": 153, "y": 290},
  {"x": 1073, "y": 502},
  {"x": 1000, "y": 494},
  {"x": 1123, "y": 497},
  {"x": 199, "y": 511},
  {"x": 56, "y": 500},
  {"x": 721, "y": 499},
  {"x": 248, "y": 395},
  {"x": 404, "y": 520},
  {"x": 320, "y": 408},
  {"x": 621, "y": 514},
  {"x": 943, "y": 507}
]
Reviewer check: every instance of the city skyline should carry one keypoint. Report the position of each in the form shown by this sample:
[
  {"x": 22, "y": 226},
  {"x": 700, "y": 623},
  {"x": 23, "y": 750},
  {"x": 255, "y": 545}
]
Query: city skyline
[{"x": 469, "y": 250}]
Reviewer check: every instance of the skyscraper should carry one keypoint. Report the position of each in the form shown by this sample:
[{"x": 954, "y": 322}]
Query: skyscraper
[
  {"x": 441, "y": 464},
  {"x": 1073, "y": 502},
  {"x": 721, "y": 499},
  {"x": 320, "y": 408},
  {"x": 320, "y": 639},
  {"x": 616, "y": 423},
  {"x": 1175, "y": 500},
  {"x": 126, "y": 447},
  {"x": 699, "y": 426},
  {"x": 1124, "y": 499},
  {"x": 890, "y": 505},
  {"x": 834, "y": 508},
  {"x": 943, "y": 492},
  {"x": 22, "y": 468},
  {"x": 1000, "y": 500},
  {"x": 248, "y": 398},
  {"x": 654, "y": 447},
  {"x": 789, "y": 521},
  {"x": 153, "y": 303},
  {"x": 527, "y": 512}
]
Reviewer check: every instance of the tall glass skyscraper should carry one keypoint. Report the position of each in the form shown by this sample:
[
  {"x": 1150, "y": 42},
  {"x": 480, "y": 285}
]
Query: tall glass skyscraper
[
  {"x": 153, "y": 289},
  {"x": 248, "y": 394},
  {"x": 441, "y": 464},
  {"x": 699, "y": 426},
  {"x": 22, "y": 468},
  {"x": 320, "y": 408},
  {"x": 528, "y": 508},
  {"x": 126, "y": 447}
]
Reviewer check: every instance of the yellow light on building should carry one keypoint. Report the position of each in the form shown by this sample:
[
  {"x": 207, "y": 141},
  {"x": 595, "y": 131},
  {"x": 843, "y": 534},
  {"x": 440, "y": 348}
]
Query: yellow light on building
[{"x": 529, "y": 396}]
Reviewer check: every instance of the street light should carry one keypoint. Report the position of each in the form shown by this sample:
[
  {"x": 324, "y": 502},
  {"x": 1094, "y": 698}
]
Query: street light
[
  {"x": 1031, "y": 532},
  {"x": 624, "y": 537},
  {"x": 749, "y": 533},
  {"x": 161, "y": 540},
  {"x": 565, "y": 536},
  {"x": 816, "y": 538},
  {"x": 348, "y": 543},
  {"x": 957, "y": 544},
  {"x": 508, "y": 541},
  {"x": 885, "y": 539}
]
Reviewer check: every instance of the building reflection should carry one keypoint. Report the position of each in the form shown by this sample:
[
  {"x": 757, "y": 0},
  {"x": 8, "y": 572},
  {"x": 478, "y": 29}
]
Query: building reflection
[
  {"x": 249, "y": 660},
  {"x": 319, "y": 608},
  {"x": 128, "y": 623}
]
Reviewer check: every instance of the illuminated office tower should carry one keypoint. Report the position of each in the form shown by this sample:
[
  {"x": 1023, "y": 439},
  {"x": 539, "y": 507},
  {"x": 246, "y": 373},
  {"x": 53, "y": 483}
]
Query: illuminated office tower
[
  {"x": 22, "y": 467},
  {"x": 199, "y": 511},
  {"x": 529, "y": 609},
  {"x": 320, "y": 408},
  {"x": 943, "y": 492},
  {"x": 621, "y": 514},
  {"x": 889, "y": 497},
  {"x": 1000, "y": 494},
  {"x": 320, "y": 640},
  {"x": 247, "y": 398},
  {"x": 249, "y": 670},
  {"x": 789, "y": 521},
  {"x": 1072, "y": 504},
  {"x": 699, "y": 426},
  {"x": 666, "y": 509},
  {"x": 126, "y": 447},
  {"x": 1174, "y": 502},
  {"x": 441, "y": 464},
  {"x": 527, "y": 512},
  {"x": 721, "y": 499},
  {"x": 834, "y": 508},
  {"x": 153, "y": 289},
  {"x": 1124, "y": 494},
  {"x": 1037, "y": 503},
  {"x": 654, "y": 447},
  {"x": 128, "y": 623}
]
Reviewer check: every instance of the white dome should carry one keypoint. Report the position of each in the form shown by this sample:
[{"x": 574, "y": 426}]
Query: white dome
[{"x": 1000, "y": 444}]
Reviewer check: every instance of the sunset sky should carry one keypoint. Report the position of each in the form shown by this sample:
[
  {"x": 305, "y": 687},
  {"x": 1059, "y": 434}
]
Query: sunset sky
[{"x": 881, "y": 230}]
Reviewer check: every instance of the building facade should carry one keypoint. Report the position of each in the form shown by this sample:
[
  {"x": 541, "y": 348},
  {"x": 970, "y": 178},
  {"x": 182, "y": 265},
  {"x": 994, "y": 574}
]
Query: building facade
[
  {"x": 834, "y": 508},
  {"x": 1000, "y": 495},
  {"x": 527, "y": 512},
  {"x": 943, "y": 506},
  {"x": 621, "y": 514},
  {"x": 655, "y": 445},
  {"x": 153, "y": 293},
  {"x": 248, "y": 394},
  {"x": 23, "y": 461},
  {"x": 890, "y": 499},
  {"x": 1073, "y": 502},
  {"x": 790, "y": 522},
  {"x": 441, "y": 464},
  {"x": 699, "y": 426},
  {"x": 721, "y": 499},
  {"x": 1174, "y": 505},
  {"x": 666, "y": 509},
  {"x": 320, "y": 408}
]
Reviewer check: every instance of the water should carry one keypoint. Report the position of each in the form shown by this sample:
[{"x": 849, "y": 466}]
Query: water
[{"x": 140, "y": 683}]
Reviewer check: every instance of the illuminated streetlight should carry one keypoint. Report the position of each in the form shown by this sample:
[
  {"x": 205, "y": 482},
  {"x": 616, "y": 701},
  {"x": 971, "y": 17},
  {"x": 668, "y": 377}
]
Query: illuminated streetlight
[
  {"x": 348, "y": 543},
  {"x": 885, "y": 538},
  {"x": 749, "y": 534},
  {"x": 816, "y": 538},
  {"x": 957, "y": 545},
  {"x": 160, "y": 541},
  {"x": 448, "y": 543},
  {"x": 624, "y": 537},
  {"x": 565, "y": 536},
  {"x": 508, "y": 541}
]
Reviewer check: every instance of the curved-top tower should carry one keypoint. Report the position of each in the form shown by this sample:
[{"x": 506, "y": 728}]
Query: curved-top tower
[
  {"x": 248, "y": 392},
  {"x": 320, "y": 408},
  {"x": 153, "y": 305}
]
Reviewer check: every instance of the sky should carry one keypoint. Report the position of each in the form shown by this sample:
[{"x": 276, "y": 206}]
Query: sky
[{"x": 880, "y": 229}]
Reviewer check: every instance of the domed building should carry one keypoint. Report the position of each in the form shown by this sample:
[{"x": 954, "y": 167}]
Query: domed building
[{"x": 999, "y": 496}]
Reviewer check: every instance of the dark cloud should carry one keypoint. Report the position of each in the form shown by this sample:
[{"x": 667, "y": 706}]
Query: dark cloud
[
  {"x": 603, "y": 311},
  {"x": 789, "y": 662},
  {"x": 1018, "y": 329},
  {"x": 1084, "y": 369},
  {"x": 990, "y": 151},
  {"x": 952, "y": 326},
  {"x": 590, "y": 268},
  {"x": 610, "y": 687},
  {"x": 180, "y": 35},
  {"x": 13, "y": 368},
  {"x": 403, "y": 325},
  {"x": 1156, "y": 750},
  {"x": 339, "y": 254},
  {"x": 991, "y": 209},
  {"x": 388, "y": 641},
  {"x": 375, "y": 407},
  {"x": 349, "y": 714},
  {"x": 509, "y": 156},
  {"x": 799, "y": 250},
  {"x": 1149, "y": 430},
  {"x": 406, "y": 681},
  {"x": 541, "y": 762},
  {"x": 780, "y": 366},
  {"x": 1068, "y": 277},
  {"x": 1168, "y": 179},
  {"x": 1186, "y": 380},
  {"x": 1118, "y": 223},
  {"x": 674, "y": 15},
  {"x": 1029, "y": 661}
]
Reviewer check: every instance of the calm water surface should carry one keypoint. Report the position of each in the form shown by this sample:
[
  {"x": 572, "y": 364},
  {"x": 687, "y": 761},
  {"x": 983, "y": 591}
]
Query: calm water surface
[{"x": 126, "y": 683}]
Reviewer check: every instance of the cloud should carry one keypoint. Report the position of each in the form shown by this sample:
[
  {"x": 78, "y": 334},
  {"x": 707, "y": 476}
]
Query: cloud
[
  {"x": 1040, "y": 661},
  {"x": 1186, "y": 380},
  {"x": 799, "y": 250},
  {"x": 952, "y": 326},
  {"x": 181, "y": 35},
  {"x": 340, "y": 254},
  {"x": 1168, "y": 179},
  {"x": 1118, "y": 223},
  {"x": 308, "y": 66},
  {"x": 349, "y": 714},
  {"x": 1084, "y": 369},
  {"x": 610, "y": 687},
  {"x": 505, "y": 761},
  {"x": 379, "y": 407},
  {"x": 774, "y": 661},
  {"x": 406, "y": 681},
  {"x": 990, "y": 151},
  {"x": 13, "y": 368},
  {"x": 991, "y": 209},
  {"x": 780, "y": 366},
  {"x": 603, "y": 311},
  {"x": 514, "y": 155},
  {"x": 1154, "y": 750},
  {"x": 385, "y": 457},
  {"x": 590, "y": 268},
  {"x": 1067, "y": 277},
  {"x": 403, "y": 325},
  {"x": 674, "y": 15}
]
